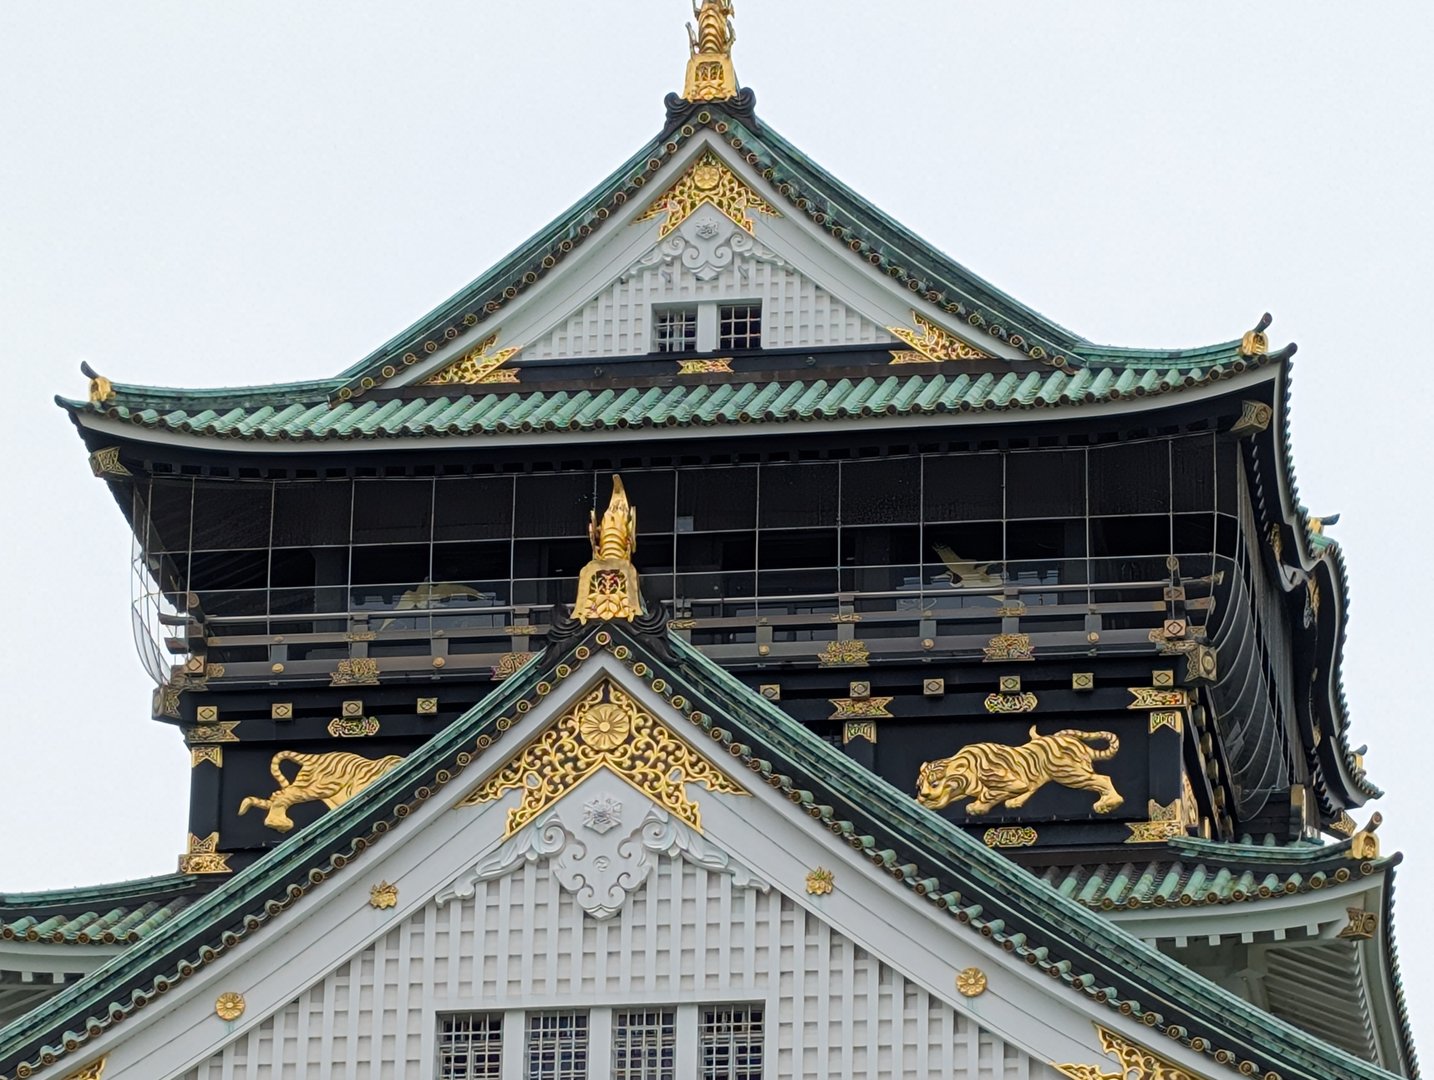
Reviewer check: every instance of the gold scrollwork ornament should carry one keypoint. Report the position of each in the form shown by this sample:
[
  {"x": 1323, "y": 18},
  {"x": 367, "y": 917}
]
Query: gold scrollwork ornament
[
  {"x": 1136, "y": 1062},
  {"x": 607, "y": 729},
  {"x": 708, "y": 183}
]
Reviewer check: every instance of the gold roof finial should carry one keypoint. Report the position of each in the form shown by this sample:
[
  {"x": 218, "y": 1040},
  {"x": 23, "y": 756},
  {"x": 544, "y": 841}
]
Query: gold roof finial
[
  {"x": 608, "y": 586},
  {"x": 710, "y": 74}
]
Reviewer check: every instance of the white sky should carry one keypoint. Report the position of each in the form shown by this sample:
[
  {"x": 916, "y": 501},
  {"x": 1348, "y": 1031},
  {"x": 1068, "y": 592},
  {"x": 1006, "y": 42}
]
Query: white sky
[{"x": 197, "y": 193}]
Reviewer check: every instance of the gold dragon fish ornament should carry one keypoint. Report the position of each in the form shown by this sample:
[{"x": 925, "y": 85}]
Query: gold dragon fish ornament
[{"x": 608, "y": 586}]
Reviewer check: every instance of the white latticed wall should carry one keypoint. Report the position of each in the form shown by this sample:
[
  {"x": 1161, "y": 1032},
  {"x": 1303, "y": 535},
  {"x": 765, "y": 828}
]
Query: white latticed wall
[{"x": 521, "y": 946}]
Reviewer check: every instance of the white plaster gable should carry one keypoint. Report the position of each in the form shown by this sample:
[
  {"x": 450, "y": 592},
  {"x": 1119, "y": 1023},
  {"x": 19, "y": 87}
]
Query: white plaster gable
[
  {"x": 335, "y": 987},
  {"x": 597, "y": 301}
]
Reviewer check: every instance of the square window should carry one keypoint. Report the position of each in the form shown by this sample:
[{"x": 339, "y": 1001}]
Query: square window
[
  {"x": 674, "y": 330},
  {"x": 731, "y": 1039},
  {"x": 740, "y": 326},
  {"x": 557, "y": 1046},
  {"x": 470, "y": 1047},
  {"x": 644, "y": 1046}
]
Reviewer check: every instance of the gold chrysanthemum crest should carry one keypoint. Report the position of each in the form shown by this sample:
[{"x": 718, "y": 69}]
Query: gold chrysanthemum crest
[{"x": 607, "y": 729}]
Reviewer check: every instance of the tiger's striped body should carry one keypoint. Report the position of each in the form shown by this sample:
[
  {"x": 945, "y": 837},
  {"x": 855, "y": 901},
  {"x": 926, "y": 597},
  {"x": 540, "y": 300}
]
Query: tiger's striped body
[
  {"x": 332, "y": 779},
  {"x": 990, "y": 774}
]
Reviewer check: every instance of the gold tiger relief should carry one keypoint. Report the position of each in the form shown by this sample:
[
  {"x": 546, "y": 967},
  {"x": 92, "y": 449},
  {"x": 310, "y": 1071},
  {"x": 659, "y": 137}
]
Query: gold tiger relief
[
  {"x": 332, "y": 779},
  {"x": 990, "y": 774}
]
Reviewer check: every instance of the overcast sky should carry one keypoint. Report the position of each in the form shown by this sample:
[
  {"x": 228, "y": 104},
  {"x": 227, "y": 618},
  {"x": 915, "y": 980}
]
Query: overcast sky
[{"x": 201, "y": 193}]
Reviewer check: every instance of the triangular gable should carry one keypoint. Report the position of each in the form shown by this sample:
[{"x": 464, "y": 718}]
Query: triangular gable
[
  {"x": 937, "y": 901},
  {"x": 882, "y": 270}
]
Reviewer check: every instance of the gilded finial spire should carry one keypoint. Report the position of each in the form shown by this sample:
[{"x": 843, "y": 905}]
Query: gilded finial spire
[
  {"x": 608, "y": 586},
  {"x": 710, "y": 74}
]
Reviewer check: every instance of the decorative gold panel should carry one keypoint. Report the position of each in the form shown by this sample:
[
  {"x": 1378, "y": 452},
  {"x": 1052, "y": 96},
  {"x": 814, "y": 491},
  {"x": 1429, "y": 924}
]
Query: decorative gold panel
[
  {"x": 360, "y": 671},
  {"x": 1175, "y": 721},
  {"x": 721, "y": 366},
  {"x": 212, "y": 754},
  {"x": 207, "y": 714},
  {"x": 428, "y": 706},
  {"x": 477, "y": 367},
  {"x": 1136, "y": 1063},
  {"x": 204, "y": 856},
  {"x": 106, "y": 462},
  {"x": 1166, "y": 823},
  {"x": 1152, "y": 697},
  {"x": 1343, "y": 824},
  {"x": 607, "y": 729},
  {"x": 1010, "y": 684},
  {"x": 510, "y": 663},
  {"x": 1083, "y": 680},
  {"x": 222, "y": 732},
  {"x": 861, "y": 708},
  {"x": 351, "y": 708},
  {"x": 383, "y": 895},
  {"x": 931, "y": 344},
  {"x": 821, "y": 882},
  {"x": 771, "y": 691},
  {"x": 283, "y": 710},
  {"x": 858, "y": 729},
  {"x": 332, "y": 779},
  {"x": 1006, "y": 704},
  {"x": 1010, "y": 647},
  {"x": 229, "y": 1006},
  {"x": 709, "y": 182},
  {"x": 1254, "y": 416},
  {"x": 95, "y": 1070},
  {"x": 1009, "y": 837},
  {"x": 1362, "y": 925},
  {"x": 348, "y": 727},
  {"x": 993, "y": 774},
  {"x": 971, "y": 982},
  {"x": 933, "y": 687},
  {"x": 844, "y": 654}
]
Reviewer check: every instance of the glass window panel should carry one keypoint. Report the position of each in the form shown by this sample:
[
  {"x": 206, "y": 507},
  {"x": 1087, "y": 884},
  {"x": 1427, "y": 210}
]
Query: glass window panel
[
  {"x": 644, "y": 1046},
  {"x": 480, "y": 561},
  {"x": 899, "y": 578},
  {"x": 963, "y": 487},
  {"x": 544, "y": 592},
  {"x": 797, "y": 582},
  {"x": 732, "y": 1042},
  {"x": 296, "y": 567},
  {"x": 708, "y": 552},
  {"x": 316, "y": 513},
  {"x": 555, "y": 505},
  {"x": 470, "y": 1047},
  {"x": 557, "y": 1046},
  {"x": 231, "y": 514},
  {"x": 740, "y": 326},
  {"x": 1192, "y": 472},
  {"x": 393, "y": 511},
  {"x": 716, "y": 500},
  {"x": 654, "y": 554},
  {"x": 229, "y": 570},
  {"x": 674, "y": 330},
  {"x": 959, "y": 546},
  {"x": 781, "y": 549},
  {"x": 1227, "y": 479},
  {"x": 479, "y": 508},
  {"x": 714, "y": 587},
  {"x": 1130, "y": 535},
  {"x": 390, "y": 563},
  {"x": 1193, "y": 533},
  {"x": 881, "y": 492},
  {"x": 1132, "y": 478},
  {"x": 169, "y": 511},
  {"x": 1045, "y": 484},
  {"x": 796, "y": 496},
  {"x": 881, "y": 545},
  {"x": 1045, "y": 539},
  {"x": 551, "y": 558}
]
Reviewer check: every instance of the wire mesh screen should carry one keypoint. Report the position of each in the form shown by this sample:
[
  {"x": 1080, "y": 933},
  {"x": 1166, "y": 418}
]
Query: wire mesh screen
[
  {"x": 557, "y": 1046},
  {"x": 644, "y": 1046}
]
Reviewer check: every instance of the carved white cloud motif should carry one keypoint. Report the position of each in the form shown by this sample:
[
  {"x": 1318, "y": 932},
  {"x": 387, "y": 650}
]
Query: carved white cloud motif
[
  {"x": 706, "y": 243},
  {"x": 602, "y": 866}
]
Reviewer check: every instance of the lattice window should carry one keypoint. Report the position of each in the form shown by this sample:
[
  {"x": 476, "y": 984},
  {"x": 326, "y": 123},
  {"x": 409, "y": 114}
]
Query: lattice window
[
  {"x": 470, "y": 1047},
  {"x": 644, "y": 1046},
  {"x": 674, "y": 329},
  {"x": 557, "y": 1046},
  {"x": 740, "y": 326},
  {"x": 732, "y": 1043}
]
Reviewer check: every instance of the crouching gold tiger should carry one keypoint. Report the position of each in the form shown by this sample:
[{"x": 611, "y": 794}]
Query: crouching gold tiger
[
  {"x": 332, "y": 779},
  {"x": 990, "y": 774}
]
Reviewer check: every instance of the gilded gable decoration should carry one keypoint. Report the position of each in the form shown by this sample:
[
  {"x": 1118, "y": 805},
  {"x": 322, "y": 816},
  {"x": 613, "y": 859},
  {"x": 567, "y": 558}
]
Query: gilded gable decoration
[
  {"x": 477, "y": 367},
  {"x": 609, "y": 730},
  {"x": 930, "y": 344},
  {"x": 711, "y": 75},
  {"x": 1136, "y": 1063},
  {"x": 709, "y": 182},
  {"x": 608, "y": 587}
]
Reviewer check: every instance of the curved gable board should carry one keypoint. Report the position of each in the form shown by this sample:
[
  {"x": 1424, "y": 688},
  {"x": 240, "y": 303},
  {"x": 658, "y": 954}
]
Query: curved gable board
[{"x": 334, "y": 953}]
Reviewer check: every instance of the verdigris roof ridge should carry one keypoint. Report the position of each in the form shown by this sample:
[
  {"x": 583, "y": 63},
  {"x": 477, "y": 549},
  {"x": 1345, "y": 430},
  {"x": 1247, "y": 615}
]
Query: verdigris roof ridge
[{"x": 109, "y": 892}]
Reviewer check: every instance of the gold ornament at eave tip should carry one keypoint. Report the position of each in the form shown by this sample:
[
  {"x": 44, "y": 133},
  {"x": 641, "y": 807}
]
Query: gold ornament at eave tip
[
  {"x": 608, "y": 587},
  {"x": 710, "y": 74}
]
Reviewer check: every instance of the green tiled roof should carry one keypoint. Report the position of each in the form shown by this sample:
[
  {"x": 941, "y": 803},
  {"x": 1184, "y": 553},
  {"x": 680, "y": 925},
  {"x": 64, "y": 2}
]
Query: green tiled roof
[
  {"x": 981, "y": 890},
  {"x": 682, "y": 406},
  {"x": 1193, "y": 873},
  {"x": 122, "y": 913}
]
